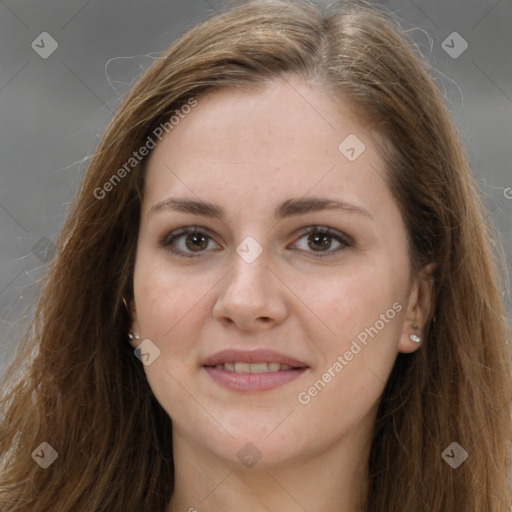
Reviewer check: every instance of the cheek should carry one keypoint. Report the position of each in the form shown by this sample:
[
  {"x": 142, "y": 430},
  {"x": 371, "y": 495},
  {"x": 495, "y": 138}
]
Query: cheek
[
  {"x": 350, "y": 300},
  {"x": 163, "y": 295},
  {"x": 169, "y": 304},
  {"x": 363, "y": 312}
]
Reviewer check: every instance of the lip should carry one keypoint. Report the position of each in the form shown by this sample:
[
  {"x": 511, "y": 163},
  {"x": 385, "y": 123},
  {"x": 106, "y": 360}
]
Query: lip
[
  {"x": 252, "y": 356},
  {"x": 248, "y": 382}
]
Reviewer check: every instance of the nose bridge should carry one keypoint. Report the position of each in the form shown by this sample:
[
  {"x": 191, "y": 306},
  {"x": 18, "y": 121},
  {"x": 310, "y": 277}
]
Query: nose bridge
[
  {"x": 250, "y": 273},
  {"x": 250, "y": 291}
]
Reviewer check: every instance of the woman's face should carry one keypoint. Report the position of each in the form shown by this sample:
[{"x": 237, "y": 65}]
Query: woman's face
[{"x": 274, "y": 280}]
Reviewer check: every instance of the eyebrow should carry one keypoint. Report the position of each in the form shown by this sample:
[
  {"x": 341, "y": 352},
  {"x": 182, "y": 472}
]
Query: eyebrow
[{"x": 288, "y": 208}]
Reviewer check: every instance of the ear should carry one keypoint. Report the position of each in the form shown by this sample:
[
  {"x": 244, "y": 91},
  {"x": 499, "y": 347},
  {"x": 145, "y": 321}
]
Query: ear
[
  {"x": 418, "y": 309},
  {"x": 134, "y": 329}
]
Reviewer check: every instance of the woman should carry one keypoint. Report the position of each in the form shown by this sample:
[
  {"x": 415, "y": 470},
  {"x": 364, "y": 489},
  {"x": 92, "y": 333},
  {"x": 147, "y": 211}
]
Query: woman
[{"x": 275, "y": 291}]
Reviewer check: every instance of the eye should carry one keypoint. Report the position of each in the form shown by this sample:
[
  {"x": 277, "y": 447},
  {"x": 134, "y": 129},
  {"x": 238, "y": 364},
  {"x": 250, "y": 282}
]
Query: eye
[
  {"x": 194, "y": 240},
  {"x": 320, "y": 238}
]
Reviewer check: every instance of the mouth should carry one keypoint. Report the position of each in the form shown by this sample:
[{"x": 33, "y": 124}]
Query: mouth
[
  {"x": 240, "y": 367},
  {"x": 257, "y": 370}
]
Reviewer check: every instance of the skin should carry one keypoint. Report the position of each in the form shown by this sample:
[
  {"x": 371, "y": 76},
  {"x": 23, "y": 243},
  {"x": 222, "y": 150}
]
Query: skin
[{"x": 248, "y": 151}]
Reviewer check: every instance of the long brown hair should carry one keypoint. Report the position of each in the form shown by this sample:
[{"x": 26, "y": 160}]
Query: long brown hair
[{"x": 75, "y": 383}]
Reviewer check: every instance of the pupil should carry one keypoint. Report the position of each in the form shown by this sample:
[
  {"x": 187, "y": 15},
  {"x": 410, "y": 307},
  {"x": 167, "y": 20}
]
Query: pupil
[
  {"x": 195, "y": 238},
  {"x": 324, "y": 238}
]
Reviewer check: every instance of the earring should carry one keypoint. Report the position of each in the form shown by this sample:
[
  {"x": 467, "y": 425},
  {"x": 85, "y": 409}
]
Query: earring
[
  {"x": 133, "y": 336},
  {"x": 414, "y": 337}
]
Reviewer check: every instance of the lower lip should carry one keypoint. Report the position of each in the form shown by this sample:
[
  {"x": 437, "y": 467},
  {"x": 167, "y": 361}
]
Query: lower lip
[{"x": 253, "y": 381}]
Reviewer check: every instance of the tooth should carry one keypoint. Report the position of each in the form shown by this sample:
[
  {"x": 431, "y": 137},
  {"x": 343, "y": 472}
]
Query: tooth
[
  {"x": 242, "y": 368},
  {"x": 259, "y": 368}
]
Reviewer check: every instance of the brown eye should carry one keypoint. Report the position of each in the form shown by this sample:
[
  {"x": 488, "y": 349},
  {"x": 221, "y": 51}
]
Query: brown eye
[
  {"x": 190, "y": 242},
  {"x": 320, "y": 241},
  {"x": 195, "y": 241},
  {"x": 186, "y": 241}
]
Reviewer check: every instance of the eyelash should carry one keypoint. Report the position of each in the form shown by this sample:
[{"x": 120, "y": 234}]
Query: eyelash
[{"x": 195, "y": 230}]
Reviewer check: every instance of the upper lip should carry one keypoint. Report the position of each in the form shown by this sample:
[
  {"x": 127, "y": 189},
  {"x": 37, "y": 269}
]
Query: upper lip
[{"x": 252, "y": 356}]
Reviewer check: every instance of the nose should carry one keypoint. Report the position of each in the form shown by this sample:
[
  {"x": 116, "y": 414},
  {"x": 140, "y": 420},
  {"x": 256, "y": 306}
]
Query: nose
[{"x": 251, "y": 296}]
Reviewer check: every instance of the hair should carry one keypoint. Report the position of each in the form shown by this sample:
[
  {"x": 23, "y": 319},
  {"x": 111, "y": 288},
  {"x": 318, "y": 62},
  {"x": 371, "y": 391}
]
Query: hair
[{"x": 75, "y": 382}]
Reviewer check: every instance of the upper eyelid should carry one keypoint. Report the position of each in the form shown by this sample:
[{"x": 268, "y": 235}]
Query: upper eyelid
[
  {"x": 185, "y": 230},
  {"x": 327, "y": 230},
  {"x": 207, "y": 231}
]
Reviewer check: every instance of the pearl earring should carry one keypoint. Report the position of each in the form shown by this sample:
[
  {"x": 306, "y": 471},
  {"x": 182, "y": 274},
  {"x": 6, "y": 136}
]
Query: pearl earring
[
  {"x": 133, "y": 336},
  {"x": 414, "y": 337}
]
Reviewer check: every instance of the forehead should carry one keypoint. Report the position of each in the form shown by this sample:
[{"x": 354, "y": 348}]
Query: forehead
[
  {"x": 286, "y": 138},
  {"x": 251, "y": 124}
]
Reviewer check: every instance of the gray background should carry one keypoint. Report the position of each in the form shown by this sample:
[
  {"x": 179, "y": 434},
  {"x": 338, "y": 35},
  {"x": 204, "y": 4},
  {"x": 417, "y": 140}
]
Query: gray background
[{"x": 53, "y": 110}]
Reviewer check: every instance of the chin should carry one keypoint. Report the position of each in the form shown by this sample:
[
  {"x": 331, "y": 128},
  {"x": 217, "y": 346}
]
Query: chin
[{"x": 260, "y": 444}]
